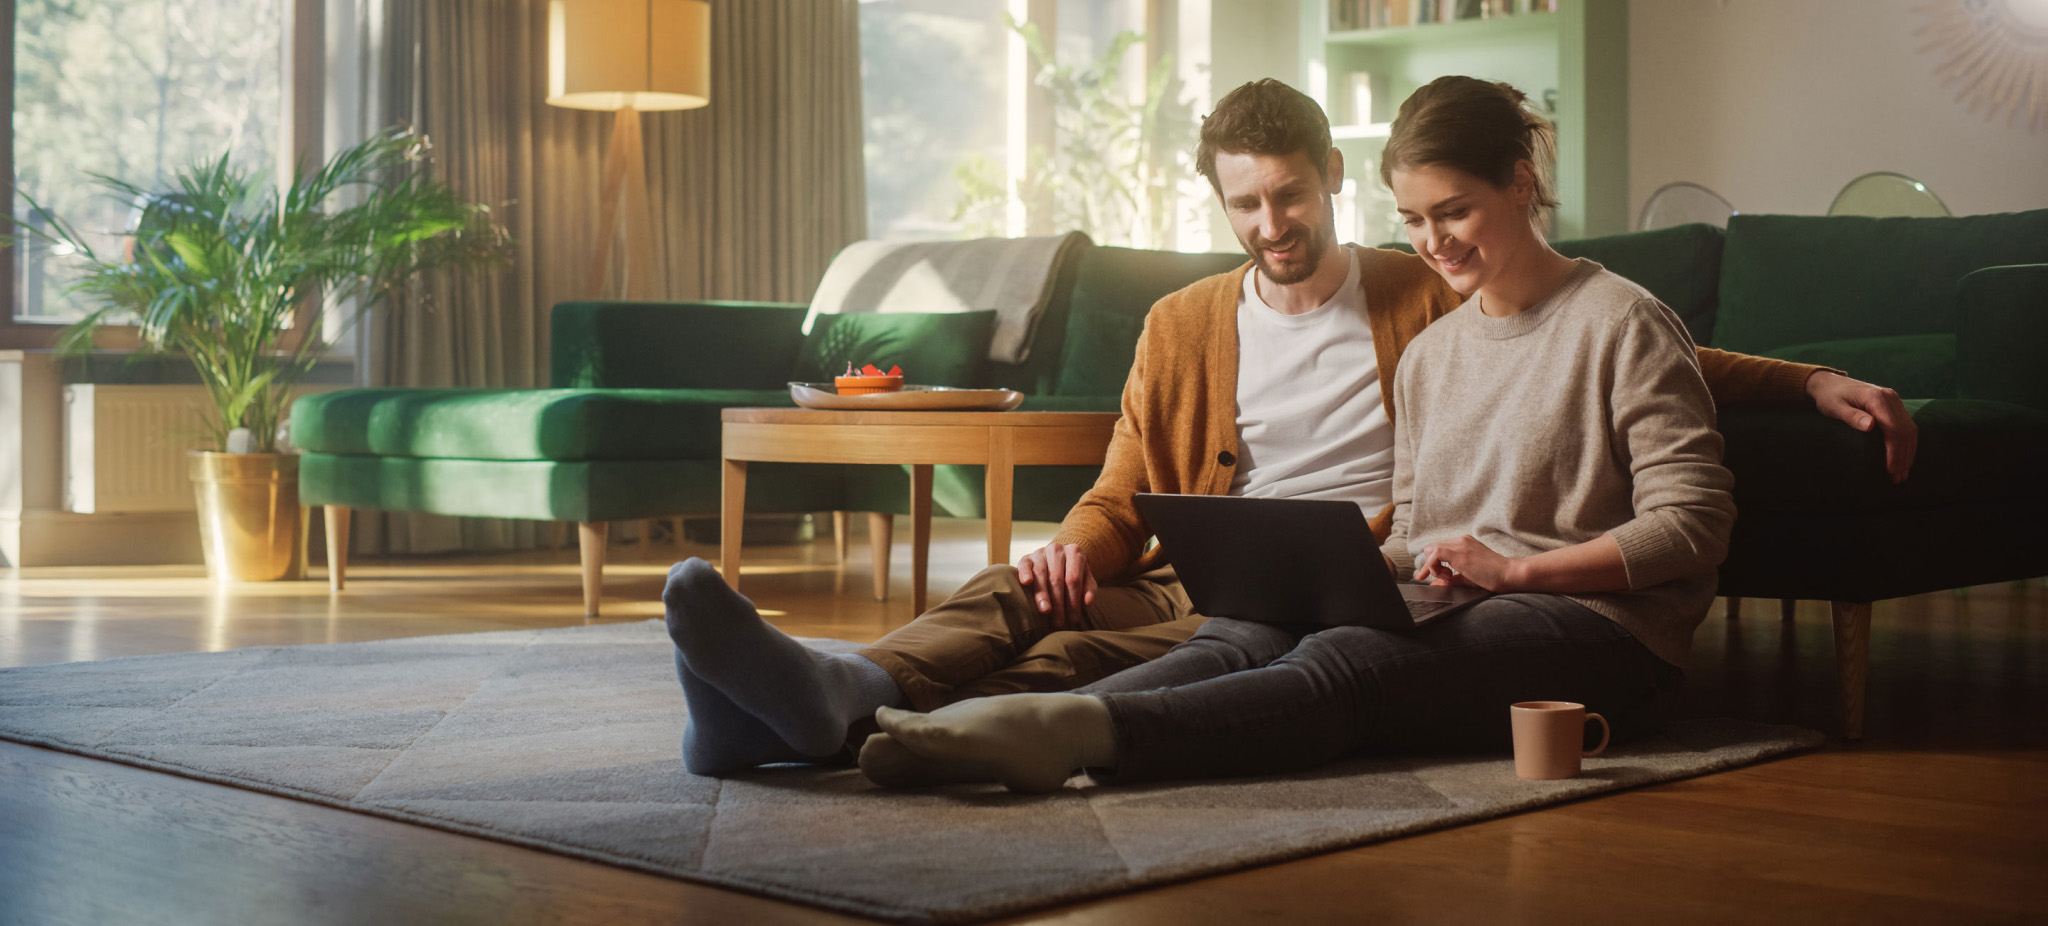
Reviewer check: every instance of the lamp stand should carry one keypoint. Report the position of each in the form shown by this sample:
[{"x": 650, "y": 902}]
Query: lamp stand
[{"x": 625, "y": 174}]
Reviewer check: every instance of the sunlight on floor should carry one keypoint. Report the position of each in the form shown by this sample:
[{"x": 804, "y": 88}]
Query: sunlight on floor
[{"x": 72, "y": 614}]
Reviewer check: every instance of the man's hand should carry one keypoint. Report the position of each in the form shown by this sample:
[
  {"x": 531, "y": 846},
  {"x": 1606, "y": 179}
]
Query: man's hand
[
  {"x": 1464, "y": 561},
  {"x": 1058, "y": 573},
  {"x": 1864, "y": 406}
]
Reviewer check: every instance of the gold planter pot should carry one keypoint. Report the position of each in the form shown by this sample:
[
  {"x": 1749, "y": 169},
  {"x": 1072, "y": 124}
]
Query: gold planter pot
[{"x": 250, "y": 521}]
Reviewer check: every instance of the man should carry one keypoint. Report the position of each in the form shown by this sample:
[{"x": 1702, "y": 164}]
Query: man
[{"x": 1272, "y": 380}]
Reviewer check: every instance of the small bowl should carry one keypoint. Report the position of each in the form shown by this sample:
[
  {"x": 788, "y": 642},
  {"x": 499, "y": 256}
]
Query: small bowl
[{"x": 866, "y": 385}]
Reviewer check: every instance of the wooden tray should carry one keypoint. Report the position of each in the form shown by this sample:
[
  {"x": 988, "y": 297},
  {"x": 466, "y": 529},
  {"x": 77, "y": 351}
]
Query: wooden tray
[{"x": 909, "y": 398}]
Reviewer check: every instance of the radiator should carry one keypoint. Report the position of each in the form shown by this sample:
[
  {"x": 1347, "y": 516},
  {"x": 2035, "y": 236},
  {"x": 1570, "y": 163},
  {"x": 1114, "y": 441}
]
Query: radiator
[{"x": 124, "y": 447}]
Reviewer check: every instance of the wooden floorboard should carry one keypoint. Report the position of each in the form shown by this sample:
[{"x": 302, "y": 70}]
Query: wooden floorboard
[{"x": 1939, "y": 815}]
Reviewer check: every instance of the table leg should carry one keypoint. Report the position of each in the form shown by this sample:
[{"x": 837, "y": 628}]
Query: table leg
[
  {"x": 732, "y": 516},
  {"x": 880, "y": 526},
  {"x": 997, "y": 488},
  {"x": 920, "y": 532}
]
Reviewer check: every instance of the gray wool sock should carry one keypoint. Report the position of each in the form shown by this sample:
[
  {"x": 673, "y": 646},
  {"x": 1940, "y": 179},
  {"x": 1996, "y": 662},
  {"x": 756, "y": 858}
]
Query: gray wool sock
[
  {"x": 721, "y": 739},
  {"x": 806, "y": 697}
]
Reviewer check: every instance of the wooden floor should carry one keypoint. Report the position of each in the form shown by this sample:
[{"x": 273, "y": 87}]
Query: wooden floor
[{"x": 1939, "y": 815}]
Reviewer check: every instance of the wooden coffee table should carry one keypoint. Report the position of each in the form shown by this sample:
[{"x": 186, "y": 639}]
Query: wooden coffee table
[{"x": 1001, "y": 441}]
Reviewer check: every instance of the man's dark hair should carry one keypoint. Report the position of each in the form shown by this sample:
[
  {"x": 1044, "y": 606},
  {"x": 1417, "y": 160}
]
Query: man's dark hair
[{"x": 1263, "y": 117}]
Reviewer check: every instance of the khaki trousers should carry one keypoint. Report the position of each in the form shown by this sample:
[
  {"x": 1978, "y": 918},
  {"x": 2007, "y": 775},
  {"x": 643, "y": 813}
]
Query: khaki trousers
[{"x": 989, "y": 638}]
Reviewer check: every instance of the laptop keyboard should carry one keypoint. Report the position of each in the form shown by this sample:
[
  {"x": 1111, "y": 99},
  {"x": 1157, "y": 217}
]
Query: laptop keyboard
[{"x": 1425, "y": 608}]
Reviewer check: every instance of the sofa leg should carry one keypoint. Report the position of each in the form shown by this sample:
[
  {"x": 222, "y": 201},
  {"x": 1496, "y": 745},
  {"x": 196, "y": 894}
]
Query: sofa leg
[
  {"x": 839, "y": 525},
  {"x": 1852, "y": 662},
  {"x": 880, "y": 526},
  {"x": 590, "y": 543},
  {"x": 1734, "y": 607},
  {"x": 336, "y": 517},
  {"x": 1788, "y": 608}
]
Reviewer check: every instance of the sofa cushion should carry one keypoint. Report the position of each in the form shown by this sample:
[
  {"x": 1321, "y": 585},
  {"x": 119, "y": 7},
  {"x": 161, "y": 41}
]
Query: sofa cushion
[
  {"x": 1680, "y": 265},
  {"x": 1113, "y": 290},
  {"x": 1970, "y": 452},
  {"x": 672, "y": 345},
  {"x": 934, "y": 349},
  {"x": 2002, "y": 335},
  {"x": 1918, "y": 366},
  {"x": 521, "y": 424},
  {"x": 559, "y": 490},
  {"x": 1789, "y": 279}
]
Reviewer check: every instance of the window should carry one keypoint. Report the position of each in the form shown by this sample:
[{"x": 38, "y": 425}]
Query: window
[
  {"x": 933, "y": 88},
  {"x": 134, "y": 89},
  {"x": 965, "y": 138}
]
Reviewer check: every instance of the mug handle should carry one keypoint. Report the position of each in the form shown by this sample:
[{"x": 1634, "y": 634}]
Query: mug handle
[{"x": 1604, "y": 732}]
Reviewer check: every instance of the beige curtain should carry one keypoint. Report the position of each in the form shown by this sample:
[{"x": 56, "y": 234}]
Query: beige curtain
[
  {"x": 752, "y": 194},
  {"x": 755, "y": 193}
]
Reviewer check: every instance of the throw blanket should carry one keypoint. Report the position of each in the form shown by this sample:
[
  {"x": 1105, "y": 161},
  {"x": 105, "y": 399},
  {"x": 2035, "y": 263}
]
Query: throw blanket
[{"x": 1013, "y": 276}]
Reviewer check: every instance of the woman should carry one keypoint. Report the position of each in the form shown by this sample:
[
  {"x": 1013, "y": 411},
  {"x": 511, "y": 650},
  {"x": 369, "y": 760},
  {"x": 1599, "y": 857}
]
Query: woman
[{"x": 1554, "y": 443}]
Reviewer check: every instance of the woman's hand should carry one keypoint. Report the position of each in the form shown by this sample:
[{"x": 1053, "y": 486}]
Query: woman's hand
[
  {"x": 1060, "y": 581},
  {"x": 1464, "y": 561}
]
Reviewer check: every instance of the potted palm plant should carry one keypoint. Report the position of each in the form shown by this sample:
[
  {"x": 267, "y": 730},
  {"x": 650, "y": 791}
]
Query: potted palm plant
[{"x": 236, "y": 274}]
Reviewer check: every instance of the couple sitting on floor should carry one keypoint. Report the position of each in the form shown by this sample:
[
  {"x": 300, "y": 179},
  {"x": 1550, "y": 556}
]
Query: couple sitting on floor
[{"x": 1552, "y": 441}]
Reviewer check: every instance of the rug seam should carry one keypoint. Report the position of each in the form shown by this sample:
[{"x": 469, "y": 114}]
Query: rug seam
[
  {"x": 436, "y": 725},
  {"x": 196, "y": 692}
]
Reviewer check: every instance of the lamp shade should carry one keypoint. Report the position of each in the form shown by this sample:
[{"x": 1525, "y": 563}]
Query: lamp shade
[{"x": 629, "y": 54}]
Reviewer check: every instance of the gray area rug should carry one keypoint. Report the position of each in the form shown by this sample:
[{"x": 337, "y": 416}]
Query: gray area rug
[{"x": 567, "y": 740}]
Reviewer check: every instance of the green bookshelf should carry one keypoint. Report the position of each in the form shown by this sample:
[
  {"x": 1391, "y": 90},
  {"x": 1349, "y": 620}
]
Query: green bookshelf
[{"x": 1445, "y": 33}]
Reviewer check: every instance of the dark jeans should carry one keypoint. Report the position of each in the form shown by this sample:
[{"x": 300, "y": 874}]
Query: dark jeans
[{"x": 1244, "y": 698}]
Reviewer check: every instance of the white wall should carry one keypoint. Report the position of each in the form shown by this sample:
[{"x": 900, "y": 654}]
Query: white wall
[
  {"x": 1776, "y": 104},
  {"x": 1226, "y": 44}
]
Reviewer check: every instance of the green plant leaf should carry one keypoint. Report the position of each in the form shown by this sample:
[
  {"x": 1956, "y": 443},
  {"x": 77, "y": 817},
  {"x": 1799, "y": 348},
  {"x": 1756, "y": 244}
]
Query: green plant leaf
[
  {"x": 191, "y": 251},
  {"x": 221, "y": 261}
]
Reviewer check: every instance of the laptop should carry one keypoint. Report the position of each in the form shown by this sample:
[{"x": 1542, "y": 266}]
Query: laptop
[{"x": 1289, "y": 561}]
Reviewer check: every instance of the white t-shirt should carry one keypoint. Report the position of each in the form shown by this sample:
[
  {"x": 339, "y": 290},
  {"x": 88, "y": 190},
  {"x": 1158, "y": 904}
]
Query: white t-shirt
[{"x": 1310, "y": 423}]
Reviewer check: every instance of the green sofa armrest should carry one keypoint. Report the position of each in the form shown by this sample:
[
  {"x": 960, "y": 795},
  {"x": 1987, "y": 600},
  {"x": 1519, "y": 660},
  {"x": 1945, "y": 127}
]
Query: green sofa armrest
[
  {"x": 674, "y": 345},
  {"x": 2002, "y": 335}
]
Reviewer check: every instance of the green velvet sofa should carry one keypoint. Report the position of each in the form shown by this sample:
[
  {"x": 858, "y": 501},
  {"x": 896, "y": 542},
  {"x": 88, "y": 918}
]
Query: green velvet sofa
[
  {"x": 629, "y": 428},
  {"x": 1953, "y": 312}
]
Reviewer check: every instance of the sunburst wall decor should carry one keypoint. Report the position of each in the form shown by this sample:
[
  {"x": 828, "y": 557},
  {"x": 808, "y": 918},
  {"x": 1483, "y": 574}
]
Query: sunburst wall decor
[{"x": 1995, "y": 52}]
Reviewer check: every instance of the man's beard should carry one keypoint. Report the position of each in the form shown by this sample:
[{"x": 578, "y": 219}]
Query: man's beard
[{"x": 1315, "y": 245}]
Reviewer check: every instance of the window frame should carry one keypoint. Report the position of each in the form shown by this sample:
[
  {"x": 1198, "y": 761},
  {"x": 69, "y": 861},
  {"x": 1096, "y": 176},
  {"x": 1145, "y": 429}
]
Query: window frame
[{"x": 304, "y": 82}]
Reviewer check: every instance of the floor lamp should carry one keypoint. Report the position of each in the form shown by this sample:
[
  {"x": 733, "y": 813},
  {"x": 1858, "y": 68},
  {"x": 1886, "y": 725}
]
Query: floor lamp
[{"x": 628, "y": 57}]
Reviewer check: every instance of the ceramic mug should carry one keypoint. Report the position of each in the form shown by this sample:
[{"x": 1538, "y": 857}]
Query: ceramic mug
[{"x": 1548, "y": 735}]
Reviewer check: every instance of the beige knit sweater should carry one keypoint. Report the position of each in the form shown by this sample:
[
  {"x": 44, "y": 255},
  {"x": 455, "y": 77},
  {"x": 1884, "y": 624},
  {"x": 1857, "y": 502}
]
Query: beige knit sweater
[{"x": 1581, "y": 416}]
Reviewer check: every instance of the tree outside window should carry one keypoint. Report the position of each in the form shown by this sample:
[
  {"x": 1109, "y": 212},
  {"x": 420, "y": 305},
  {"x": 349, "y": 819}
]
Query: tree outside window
[
  {"x": 132, "y": 89},
  {"x": 939, "y": 81}
]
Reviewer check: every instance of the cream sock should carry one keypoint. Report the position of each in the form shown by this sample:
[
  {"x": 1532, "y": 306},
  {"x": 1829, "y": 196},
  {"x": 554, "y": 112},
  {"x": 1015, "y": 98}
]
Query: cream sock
[
  {"x": 1029, "y": 742},
  {"x": 887, "y": 763}
]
